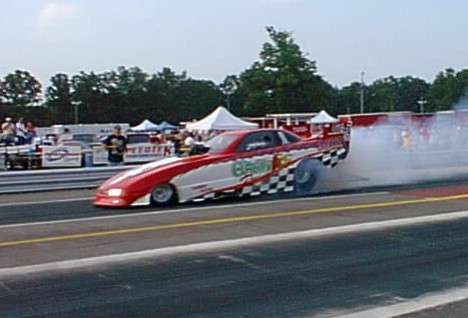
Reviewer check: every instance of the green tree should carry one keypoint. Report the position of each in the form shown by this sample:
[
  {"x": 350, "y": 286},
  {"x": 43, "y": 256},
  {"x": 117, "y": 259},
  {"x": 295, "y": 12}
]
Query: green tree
[
  {"x": 196, "y": 98},
  {"x": 348, "y": 99},
  {"x": 284, "y": 80},
  {"x": 161, "y": 89},
  {"x": 396, "y": 94},
  {"x": 383, "y": 95},
  {"x": 125, "y": 94},
  {"x": 445, "y": 90},
  {"x": 229, "y": 87},
  {"x": 462, "y": 78},
  {"x": 20, "y": 88},
  {"x": 58, "y": 98},
  {"x": 89, "y": 96},
  {"x": 410, "y": 91}
]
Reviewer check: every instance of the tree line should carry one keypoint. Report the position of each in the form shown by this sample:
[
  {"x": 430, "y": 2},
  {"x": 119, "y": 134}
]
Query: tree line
[{"x": 283, "y": 80}]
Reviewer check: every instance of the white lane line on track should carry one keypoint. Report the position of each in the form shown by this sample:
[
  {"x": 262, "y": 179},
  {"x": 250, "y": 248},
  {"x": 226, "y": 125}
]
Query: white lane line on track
[
  {"x": 234, "y": 243},
  {"x": 45, "y": 202},
  {"x": 181, "y": 210},
  {"x": 427, "y": 301}
]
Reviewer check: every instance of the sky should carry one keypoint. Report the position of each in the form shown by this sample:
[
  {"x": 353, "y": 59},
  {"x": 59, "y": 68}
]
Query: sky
[{"x": 210, "y": 39}]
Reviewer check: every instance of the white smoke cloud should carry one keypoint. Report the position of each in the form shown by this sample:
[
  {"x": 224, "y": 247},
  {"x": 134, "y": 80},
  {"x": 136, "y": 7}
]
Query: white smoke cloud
[
  {"x": 462, "y": 105},
  {"x": 404, "y": 151},
  {"x": 53, "y": 14}
]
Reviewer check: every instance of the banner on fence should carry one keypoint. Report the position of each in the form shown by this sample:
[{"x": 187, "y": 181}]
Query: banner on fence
[
  {"x": 144, "y": 152},
  {"x": 136, "y": 153},
  {"x": 61, "y": 156}
]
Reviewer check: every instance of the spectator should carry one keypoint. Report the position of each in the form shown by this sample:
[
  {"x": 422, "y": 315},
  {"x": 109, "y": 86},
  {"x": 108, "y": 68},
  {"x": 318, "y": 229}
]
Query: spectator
[
  {"x": 189, "y": 141},
  {"x": 8, "y": 132},
  {"x": 30, "y": 132},
  {"x": 116, "y": 146},
  {"x": 175, "y": 139},
  {"x": 20, "y": 131}
]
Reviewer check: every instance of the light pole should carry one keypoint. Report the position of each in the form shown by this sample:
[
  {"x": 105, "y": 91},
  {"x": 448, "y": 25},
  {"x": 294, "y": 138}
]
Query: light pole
[
  {"x": 228, "y": 87},
  {"x": 76, "y": 106},
  {"x": 228, "y": 99},
  {"x": 421, "y": 103},
  {"x": 362, "y": 93}
]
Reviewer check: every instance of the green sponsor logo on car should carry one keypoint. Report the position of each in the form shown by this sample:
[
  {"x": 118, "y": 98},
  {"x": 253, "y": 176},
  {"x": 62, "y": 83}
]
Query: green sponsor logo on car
[{"x": 244, "y": 167}]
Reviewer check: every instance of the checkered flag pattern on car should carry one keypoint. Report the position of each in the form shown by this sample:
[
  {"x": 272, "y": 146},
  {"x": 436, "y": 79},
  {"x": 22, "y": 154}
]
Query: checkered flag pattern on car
[
  {"x": 331, "y": 158},
  {"x": 283, "y": 181}
]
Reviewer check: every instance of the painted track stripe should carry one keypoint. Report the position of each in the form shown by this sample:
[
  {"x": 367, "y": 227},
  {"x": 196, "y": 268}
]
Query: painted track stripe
[
  {"x": 424, "y": 302},
  {"x": 234, "y": 243},
  {"x": 179, "y": 210},
  {"x": 226, "y": 220}
]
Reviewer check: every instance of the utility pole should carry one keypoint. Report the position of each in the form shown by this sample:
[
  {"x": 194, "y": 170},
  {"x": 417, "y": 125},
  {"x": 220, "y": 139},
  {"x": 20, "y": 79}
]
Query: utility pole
[
  {"x": 421, "y": 103},
  {"x": 76, "y": 106},
  {"x": 229, "y": 87},
  {"x": 362, "y": 93}
]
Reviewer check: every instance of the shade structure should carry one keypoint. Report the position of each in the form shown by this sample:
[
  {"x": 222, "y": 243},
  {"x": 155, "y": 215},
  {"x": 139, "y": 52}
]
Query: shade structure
[
  {"x": 167, "y": 126},
  {"x": 221, "y": 119},
  {"x": 146, "y": 125},
  {"x": 323, "y": 118}
]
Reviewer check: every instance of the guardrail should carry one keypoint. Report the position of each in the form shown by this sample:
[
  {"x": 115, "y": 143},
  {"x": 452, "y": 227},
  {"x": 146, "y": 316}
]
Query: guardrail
[
  {"x": 17, "y": 181},
  {"x": 57, "y": 179}
]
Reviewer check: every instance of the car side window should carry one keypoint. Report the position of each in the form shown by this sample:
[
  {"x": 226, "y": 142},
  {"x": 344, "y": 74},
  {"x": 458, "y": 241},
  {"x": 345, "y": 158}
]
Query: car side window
[
  {"x": 287, "y": 138},
  {"x": 258, "y": 140}
]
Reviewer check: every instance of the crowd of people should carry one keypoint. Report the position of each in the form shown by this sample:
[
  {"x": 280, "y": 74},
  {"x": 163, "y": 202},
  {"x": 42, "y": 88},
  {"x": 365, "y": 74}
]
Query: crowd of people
[
  {"x": 19, "y": 133},
  {"x": 184, "y": 142}
]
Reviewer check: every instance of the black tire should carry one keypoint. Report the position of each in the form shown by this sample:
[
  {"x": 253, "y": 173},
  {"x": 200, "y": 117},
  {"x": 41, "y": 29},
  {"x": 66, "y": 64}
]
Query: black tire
[
  {"x": 306, "y": 176},
  {"x": 163, "y": 194}
]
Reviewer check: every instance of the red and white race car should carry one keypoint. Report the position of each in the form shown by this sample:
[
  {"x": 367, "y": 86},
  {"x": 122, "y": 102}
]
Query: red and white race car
[{"x": 239, "y": 163}]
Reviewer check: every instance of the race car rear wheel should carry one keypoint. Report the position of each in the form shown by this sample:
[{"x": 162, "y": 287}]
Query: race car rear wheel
[
  {"x": 163, "y": 194},
  {"x": 305, "y": 176}
]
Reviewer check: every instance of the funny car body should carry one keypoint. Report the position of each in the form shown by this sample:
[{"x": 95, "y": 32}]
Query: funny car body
[{"x": 236, "y": 163}]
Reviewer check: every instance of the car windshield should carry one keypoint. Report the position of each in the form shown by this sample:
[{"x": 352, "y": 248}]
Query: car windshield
[{"x": 219, "y": 143}]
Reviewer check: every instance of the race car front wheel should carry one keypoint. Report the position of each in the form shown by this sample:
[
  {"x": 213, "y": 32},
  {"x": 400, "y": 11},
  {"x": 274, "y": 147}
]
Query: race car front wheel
[
  {"x": 305, "y": 176},
  {"x": 163, "y": 194}
]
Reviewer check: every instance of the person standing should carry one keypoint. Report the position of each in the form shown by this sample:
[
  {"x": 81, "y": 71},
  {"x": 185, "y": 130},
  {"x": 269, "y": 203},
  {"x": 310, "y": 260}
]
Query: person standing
[
  {"x": 21, "y": 131},
  {"x": 116, "y": 145},
  {"x": 189, "y": 140},
  {"x": 30, "y": 132},
  {"x": 8, "y": 132}
]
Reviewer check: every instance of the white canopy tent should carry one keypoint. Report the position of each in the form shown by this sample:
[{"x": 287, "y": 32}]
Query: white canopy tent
[
  {"x": 146, "y": 125},
  {"x": 221, "y": 119},
  {"x": 323, "y": 118}
]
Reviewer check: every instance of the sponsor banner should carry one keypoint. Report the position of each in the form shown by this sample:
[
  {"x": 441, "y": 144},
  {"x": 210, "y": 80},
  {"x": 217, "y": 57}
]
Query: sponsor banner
[
  {"x": 138, "y": 152},
  {"x": 61, "y": 156},
  {"x": 99, "y": 155},
  {"x": 302, "y": 130},
  {"x": 144, "y": 152},
  {"x": 14, "y": 150}
]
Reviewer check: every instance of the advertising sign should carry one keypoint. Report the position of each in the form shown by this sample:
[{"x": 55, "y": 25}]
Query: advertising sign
[
  {"x": 302, "y": 130},
  {"x": 99, "y": 155},
  {"x": 144, "y": 152},
  {"x": 136, "y": 153},
  {"x": 61, "y": 156}
]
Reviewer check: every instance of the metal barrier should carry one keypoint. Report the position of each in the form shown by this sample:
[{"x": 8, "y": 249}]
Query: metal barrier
[
  {"x": 18, "y": 181},
  {"x": 24, "y": 156},
  {"x": 57, "y": 179}
]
